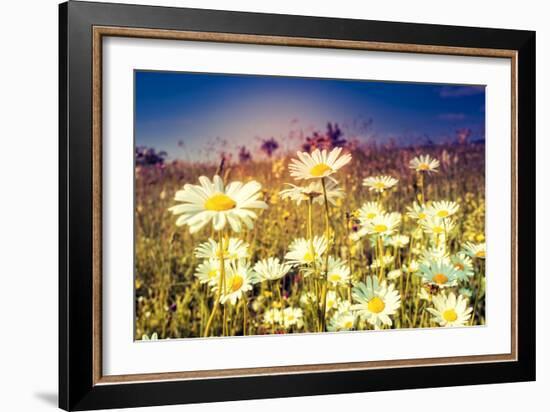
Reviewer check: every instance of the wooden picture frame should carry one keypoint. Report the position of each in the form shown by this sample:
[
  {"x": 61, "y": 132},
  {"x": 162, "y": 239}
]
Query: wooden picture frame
[{"x": 82, "y": 28}]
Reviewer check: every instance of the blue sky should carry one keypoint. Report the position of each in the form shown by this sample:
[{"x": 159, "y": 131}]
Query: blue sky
[{"x": 197, "y": 109}]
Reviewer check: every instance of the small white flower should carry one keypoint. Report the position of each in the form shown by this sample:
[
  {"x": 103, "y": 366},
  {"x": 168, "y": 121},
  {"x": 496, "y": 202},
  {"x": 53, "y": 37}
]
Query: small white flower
[
  {"x": 154, "y": 336},
  {"x": 450, "y": 311},
  {"x": 379, "y": 183},
  {"x": 338, "y": 272},
  {"x": 239, "y": 279},
  {"x": 209, "y": 271},
  {"x": 394, "y": 274},
  {"x": 313, "y": 191},
  {"x": 439, "y": 273},
  {"x": 271, "y": 269},
  {"x": 233, "y": 249},
  {"x": 272, "y": 316},
  {"x": 463, "y": 264},
  {"x": 301, "y": 253},
  {"x": 212, "y": 201},
  {"x": 318, "y": 164},
  {"x": 475, "y": 250},
  {"x": 443, "y": 209},
  {"x": 369, "y": 211},
  {"x": 424, "y": 163},
  {"x": 398, "y": 241},
  {"x": 332, "y": 300},
  {"x": 293, "y": 317},
  {"x": 376, "y": 302},
  {"x": 417, "y": 211},
  {"x": 437, "y": 226},
  {"x": 384, "y": 224},
  {"x": 342, "y": 320}
]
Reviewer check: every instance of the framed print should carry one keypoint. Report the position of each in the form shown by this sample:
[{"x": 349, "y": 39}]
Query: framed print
[{"x": 257, "y": 205}]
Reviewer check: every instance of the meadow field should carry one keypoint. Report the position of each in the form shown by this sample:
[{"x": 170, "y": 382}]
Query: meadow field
[{"x": 387, "y": 238}]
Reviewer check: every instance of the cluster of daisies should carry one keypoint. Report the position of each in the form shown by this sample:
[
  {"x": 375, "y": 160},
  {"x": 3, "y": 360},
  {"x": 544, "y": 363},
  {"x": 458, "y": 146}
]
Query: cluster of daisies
[{"x": 331, "y": 294}]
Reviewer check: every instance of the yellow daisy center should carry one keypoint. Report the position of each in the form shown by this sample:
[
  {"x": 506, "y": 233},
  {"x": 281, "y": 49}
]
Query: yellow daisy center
[
  {"x": 319, "y": 169},
  {"x": 219, "y": 202},
  {"x": 380, "y": 228},
  {"x": 423, "y": 166},
  {"x": 308, "y": 257},
  {"x": 438, "y": 229},
  {"x": 371, "y": 215},
  {"x": 236, "y": 283},
  {"x": 348, "y": 324},
  {"x": 212, "y": 274},
  {"x": 376, "y": 305},
  {"x": 379, "y": 185},
  {"x": 480, "y": 254},
  {"x": 422, "y": 215},
  {"x": 335, "y": 277},
  {"x": 443, "y": 213},
  {"x": 450, "y": 315},
  {"x": 440, "y": 278}
]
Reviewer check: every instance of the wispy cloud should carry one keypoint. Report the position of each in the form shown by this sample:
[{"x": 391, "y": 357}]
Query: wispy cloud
[
  {"x": 452, "y": 117},
  {"x": 460, "y": 91}
]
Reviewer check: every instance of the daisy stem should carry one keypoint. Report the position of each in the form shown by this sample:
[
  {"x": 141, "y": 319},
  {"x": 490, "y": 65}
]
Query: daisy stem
[
  {"x": 222, "y": 282},
  {"x": 279, "y": 287},
  {"x": 327, "y": 235},
  {"x": 350, "y": 262},
  {"x": 312, "y": 251},
  {"x": 476, "y": 300},
  {"x": 245, "y": 315},
  {"x": 421, "y": 185},
  {"x": 381, "y": 258}
]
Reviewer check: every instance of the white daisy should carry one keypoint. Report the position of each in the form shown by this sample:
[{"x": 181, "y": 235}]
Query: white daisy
[
  {"x": 463, "y": 264},
  {"x": 293, "y": 317},
  {"x": 450, "y": 311},
  {"x": 154, "y": 336},
  {"x": 318, "y": 164},
  {"x": 239, "y": 279},
  {"x": 424, "y": 163},
  {"x": 308, "y": 298},
  {"x": 376, "y": 302},
  {"x": 338, "y": 272},
  {"x": 272, "y": 316},
  {"x": 369, "y": 211},
  {"x": 437, "y": 226},
  {"x": 475, "y": 250},
  {"x": 398, "y": 241},
  {"x": 386, "y": 261},
  {"x": 424, "y": 295},
  {"x": 443, "y": 209},
  {"x": 379, "y": 183},
  {"x": 332, "y": 300},
  {"x": 212, "y": 201},
  {"x": 417, "y": 211},
  {"x": 300, "y": 252},
  {"x": 435, "y": 254},
  {"x": 384, "y": 224},
  {"x": 233, "y": 249},
  {"x": 341, "y": 320},
  {"x": 394, "y": 274},
  {"x": 271, "y": 269},
  {"x": 209, "y": 271},
  {"x": 412, "y": 267},
  {"x": 313, "y": 191},
  {"x": 439, "y": 273}
]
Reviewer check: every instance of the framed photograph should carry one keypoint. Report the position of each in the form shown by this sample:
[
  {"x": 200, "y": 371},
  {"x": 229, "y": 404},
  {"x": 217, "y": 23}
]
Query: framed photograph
[{"x": 257, "y": 205}]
